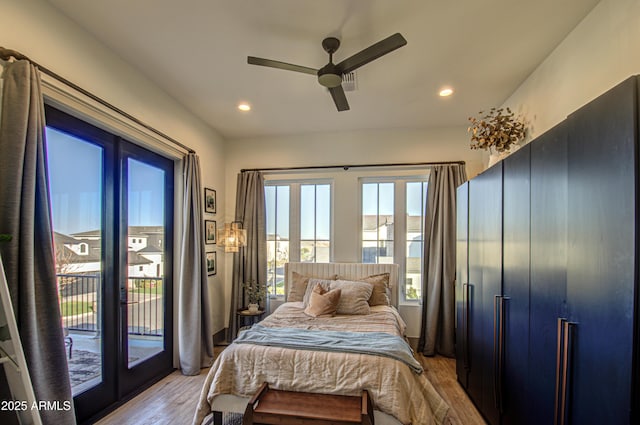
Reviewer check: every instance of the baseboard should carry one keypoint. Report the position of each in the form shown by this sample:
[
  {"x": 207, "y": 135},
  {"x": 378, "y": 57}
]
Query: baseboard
[
  {"x": 220, "y": 337},
  {"x": 413, "y": 342}
]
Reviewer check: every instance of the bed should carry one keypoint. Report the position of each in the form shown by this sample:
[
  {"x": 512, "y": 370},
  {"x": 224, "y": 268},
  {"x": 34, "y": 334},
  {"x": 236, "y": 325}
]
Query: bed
[{"x": 277, "y": 351}]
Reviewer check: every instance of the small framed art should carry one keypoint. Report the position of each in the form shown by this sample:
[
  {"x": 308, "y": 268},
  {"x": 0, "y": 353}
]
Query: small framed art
[
  {"x": 209, "y": 200},
  {"x": 211, "y": 263},
  {"x": 209, "y": 231}
]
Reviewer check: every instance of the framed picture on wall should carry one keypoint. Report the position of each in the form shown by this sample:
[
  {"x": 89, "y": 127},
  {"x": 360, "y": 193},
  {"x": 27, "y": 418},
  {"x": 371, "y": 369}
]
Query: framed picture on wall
[
  {"x": 209, "y": 200},
  {"x": 209, "y": 231},
  {"x": 211, "y": 263}
]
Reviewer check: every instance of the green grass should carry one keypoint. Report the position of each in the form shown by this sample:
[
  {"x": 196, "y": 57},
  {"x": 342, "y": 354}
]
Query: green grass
[
  {"x": 151, "y": 291},
  {"x": 71, "y": 308}
]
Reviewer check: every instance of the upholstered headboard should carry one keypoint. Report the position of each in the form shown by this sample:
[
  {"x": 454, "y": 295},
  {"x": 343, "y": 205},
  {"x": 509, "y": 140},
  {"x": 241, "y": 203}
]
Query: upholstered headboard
[{"x": 346, "y": 271}]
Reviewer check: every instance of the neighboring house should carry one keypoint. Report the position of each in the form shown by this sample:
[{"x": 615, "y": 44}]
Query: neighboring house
[{"x": 79, "y": 253}]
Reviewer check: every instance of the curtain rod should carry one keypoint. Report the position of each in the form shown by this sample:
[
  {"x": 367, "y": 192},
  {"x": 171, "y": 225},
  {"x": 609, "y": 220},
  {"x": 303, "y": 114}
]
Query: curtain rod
[
  {"x": 6, "y": 54},
  {"x": 346, "y": 167}
]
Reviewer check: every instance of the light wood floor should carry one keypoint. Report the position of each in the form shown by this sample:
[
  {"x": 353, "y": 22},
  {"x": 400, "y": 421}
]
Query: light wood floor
[{"x": 173, "y": 400}]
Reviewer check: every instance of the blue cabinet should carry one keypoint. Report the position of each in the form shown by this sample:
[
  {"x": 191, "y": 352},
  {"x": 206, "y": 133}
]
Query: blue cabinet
[
  {"x": 512, "y": 306},
  {"x": 601, "y": 260},
  {"x": 484, "y": 283},
  {"x": 462, "y": 284},
  {"x": 548, "y": 272},
  {"x": 549, "y": 316}
]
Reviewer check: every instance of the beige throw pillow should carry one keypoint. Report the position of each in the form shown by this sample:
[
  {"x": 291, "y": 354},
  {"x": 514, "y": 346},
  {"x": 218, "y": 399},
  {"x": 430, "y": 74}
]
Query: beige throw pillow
[
  {"x": 354, "y": 296},
  {"x": 297, "y": 287},
  {"x": 380, "y": 294},
  {"x": 322, "y": 302},
  {"x": 381, "y": 290},
  {"x": 324, "y": 283}
]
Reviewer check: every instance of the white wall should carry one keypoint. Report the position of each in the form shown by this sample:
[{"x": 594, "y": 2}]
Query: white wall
[
  {"x": 599, "y": 53},
  {"x": 360, "y": 147},
  {"x": 38, "y": 30}
]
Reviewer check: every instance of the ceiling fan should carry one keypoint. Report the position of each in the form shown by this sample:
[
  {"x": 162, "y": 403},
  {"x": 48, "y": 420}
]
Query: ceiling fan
[{"x": 330, "y": 75}]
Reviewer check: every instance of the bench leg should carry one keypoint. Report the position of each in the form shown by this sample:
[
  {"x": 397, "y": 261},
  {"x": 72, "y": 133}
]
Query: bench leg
[{"x": 217, "y": 418}]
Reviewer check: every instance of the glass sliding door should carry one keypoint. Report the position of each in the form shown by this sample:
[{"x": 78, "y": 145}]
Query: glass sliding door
[
  {"x": 146, "y": 217},
  {"x": 145, "y": 260},
  {"x": 76, "y": 186},
  {"x": 112, "y": 209}
]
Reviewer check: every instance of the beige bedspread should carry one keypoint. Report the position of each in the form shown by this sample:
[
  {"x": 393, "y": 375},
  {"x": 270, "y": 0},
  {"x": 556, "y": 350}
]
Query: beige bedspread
[{"x": 394, "y": 388}]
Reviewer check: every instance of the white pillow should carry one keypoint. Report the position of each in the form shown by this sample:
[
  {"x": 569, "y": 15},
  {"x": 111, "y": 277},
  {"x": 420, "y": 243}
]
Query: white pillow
[{"x": 354, "y": 296}]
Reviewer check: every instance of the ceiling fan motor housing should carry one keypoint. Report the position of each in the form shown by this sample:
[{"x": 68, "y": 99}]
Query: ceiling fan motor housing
[{"x": 329, "y": 76}]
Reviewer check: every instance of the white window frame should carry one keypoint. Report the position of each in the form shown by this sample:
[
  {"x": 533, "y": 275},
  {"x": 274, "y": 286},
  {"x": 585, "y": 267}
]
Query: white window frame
[
  {"x": 400, "y": 225},
  {"x": 294, "y": 213}
]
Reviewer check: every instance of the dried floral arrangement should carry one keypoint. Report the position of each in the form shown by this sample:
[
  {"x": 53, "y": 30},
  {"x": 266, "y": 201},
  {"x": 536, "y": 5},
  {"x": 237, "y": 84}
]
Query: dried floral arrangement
[{"x": 497, "y": 130}]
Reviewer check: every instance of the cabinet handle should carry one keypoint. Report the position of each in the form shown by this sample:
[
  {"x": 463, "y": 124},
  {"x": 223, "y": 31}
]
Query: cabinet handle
[
  {"x": 569, "y": 332},
  {"x": 496, "y": 354},
  {"x": 564, "y": 365},
  {"x": 465, "y": 348},
  {"x": 501, "y": 350},
  {"x": 498, "y": 348},
  {"x": 559, "y": 367}
]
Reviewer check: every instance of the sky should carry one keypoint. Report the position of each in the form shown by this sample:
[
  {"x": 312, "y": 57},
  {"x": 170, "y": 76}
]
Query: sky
[
  {"x": 377, "y": 198},
  {"x": 75, "y": 184}
]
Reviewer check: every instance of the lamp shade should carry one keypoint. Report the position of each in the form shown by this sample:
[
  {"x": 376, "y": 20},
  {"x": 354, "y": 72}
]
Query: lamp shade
[{"x": 232, "y": 236}]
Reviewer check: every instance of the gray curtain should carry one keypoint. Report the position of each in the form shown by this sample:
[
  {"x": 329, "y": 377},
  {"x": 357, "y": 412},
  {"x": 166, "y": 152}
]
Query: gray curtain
[
  {"x": 439, "y": 268},
  {"x": 195, "y": 340},
  {"x": 28, "y": 257},
  {"x": 250, "y": 263}
]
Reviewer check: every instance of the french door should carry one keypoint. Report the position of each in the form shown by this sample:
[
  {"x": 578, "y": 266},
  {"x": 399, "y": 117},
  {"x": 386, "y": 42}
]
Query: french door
[{"x": 112, "y": 212}]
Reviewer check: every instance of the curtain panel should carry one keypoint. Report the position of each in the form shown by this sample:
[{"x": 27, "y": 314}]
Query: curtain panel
[
  {"x": 29, "y": 257},
  {"x": 437, "y": 334},
  {"x": 195, "y": 339},
  {"x": 250, "y": 263}
]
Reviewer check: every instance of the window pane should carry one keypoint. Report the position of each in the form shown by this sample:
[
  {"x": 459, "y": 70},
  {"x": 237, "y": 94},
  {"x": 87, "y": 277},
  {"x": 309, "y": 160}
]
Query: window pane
[
  {"x": 370, "y": 199},
  {"x": 323, "y": 212},
  {"x": 145, "y": 284},
  {"x": 315, "y": 221},
  {"x": 377, "y": 222},
  {"x": 307, "y": 212},
  {"x": 270, "y": 201},
  {"x": 385, "y": 199},
  {"x": 369, "y": 252},
  {"x": 277, "y": 216},
  {"x": 307, "y": 251},
  {"x": 282, "y": 257},
  {"x": 323, "y": 252},
  {"x": 282, "y": 215},
  {"x": 75, "y": 183},
  {"x": 416, "y": 200}
]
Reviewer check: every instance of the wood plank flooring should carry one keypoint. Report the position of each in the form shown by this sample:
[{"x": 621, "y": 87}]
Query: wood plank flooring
[
  {"x": 441, "y": 371},
  {"x": 173, "y": 400}
]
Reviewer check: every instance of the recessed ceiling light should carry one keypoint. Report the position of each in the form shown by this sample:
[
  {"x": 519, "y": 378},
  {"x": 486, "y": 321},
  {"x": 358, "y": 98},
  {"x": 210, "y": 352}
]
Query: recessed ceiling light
[
  {"x": 447, "y": 91},
  {"x": 244, "y": 107}
]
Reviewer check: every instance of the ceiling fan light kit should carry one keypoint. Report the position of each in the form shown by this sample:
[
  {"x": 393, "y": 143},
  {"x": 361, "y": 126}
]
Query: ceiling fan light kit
[{"x": 331, "y": 75}]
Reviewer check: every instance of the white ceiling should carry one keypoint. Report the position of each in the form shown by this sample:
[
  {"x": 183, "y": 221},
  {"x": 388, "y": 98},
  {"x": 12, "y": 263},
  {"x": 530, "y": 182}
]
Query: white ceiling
[{"x": 196, "y": 50}]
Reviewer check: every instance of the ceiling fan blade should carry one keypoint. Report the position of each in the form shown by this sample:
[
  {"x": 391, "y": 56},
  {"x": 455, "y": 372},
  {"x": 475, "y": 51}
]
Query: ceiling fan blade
[
  {"x": 281, "y": 65},
  {"x": 371, "y": 53},
  {"x": 337, "y": 93}
]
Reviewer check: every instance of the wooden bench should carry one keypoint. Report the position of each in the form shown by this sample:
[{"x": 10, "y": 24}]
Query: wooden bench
[{"x": 274, "y": 407}]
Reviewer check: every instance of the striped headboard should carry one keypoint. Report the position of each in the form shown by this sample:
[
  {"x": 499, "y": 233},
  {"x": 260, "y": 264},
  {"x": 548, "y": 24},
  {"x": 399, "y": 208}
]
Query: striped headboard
[{"x": 346, "y": 271}]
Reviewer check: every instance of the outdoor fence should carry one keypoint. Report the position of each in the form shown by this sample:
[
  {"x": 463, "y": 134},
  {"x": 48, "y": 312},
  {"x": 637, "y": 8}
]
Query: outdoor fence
[{"x": 81, "y": 301}]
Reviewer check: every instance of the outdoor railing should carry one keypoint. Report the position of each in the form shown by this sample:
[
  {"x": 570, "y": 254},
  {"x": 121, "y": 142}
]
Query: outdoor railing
[{"x": 80, "y": 303}]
